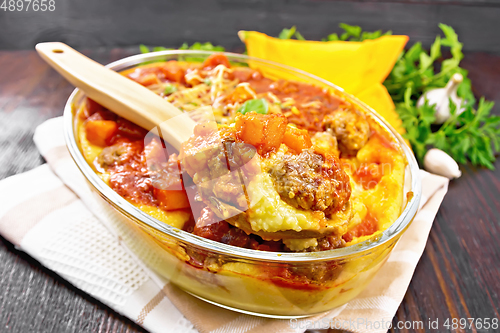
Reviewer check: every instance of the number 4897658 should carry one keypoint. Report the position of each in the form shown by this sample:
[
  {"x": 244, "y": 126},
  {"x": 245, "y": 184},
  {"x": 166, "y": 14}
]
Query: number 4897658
[{"x": 26, "y": 5}]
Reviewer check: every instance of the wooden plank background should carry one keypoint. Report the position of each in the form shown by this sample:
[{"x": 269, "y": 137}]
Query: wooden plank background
[
  {"x": 459, "y": 271},
  {"x": 94, "y": 23}
]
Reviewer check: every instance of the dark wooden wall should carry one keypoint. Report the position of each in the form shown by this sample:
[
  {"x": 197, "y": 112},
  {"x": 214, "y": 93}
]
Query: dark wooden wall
[{"x": 93, "y": 23}]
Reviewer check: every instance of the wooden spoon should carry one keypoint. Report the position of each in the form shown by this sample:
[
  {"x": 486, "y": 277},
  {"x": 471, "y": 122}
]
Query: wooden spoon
[
  {"x": 148, "y": 110},
  {"x": 119, "y": 94}
]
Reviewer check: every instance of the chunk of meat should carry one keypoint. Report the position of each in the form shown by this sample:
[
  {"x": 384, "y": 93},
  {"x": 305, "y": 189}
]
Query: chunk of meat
[
  {"x": 329, "y": 243},
  {"x": 118, "y": 154},
  {"x": 350, "y": 128},
  {"x": 319, "y": 273},
  {"x": 264, "y": 132},
  {"x": 310, "y": 180},
  {"x": 224, "y": 174},
  {"x": 229, "y": 188},
  {"x": 217, "y": 164},
  {"x": 205, "y": 142},
  {"x": 164, "y": 169}
]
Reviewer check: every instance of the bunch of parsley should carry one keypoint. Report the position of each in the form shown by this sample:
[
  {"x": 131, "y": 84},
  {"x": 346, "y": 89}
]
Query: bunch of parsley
[
  {"x": 416, "y": 68},
  {"x": 473, "y": 135}
]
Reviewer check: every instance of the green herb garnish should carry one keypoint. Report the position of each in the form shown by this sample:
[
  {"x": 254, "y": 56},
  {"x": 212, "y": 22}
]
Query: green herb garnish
[
  {"x": 290, "y": 33},
  {"x": 144, "y": 48},
  {"x": 258, "y": 105},
  {"x": 169, "y": 89}
]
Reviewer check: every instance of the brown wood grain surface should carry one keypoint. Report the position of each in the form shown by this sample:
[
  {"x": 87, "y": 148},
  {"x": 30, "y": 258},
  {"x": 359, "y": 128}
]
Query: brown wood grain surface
[
  {"x": 457, "y": 276},
  {"x": 94, "y": 23}
]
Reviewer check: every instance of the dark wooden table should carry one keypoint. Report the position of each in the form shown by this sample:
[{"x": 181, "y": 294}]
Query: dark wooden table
[{"x": 457, "y": 276}]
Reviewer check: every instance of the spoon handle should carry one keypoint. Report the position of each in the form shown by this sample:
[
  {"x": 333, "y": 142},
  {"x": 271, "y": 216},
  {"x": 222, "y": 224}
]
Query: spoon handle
[{"x": 119, "y": 94}]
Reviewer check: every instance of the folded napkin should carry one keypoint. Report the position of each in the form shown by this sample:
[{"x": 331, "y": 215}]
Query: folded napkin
[{"x": 50, "y": 213}]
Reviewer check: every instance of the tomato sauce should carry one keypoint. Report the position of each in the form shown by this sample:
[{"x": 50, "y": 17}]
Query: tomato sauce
[
  {"x": 367, "y": 227},
  {"x": 313, "y": 103},
  {"x": 369, "y": 175}
]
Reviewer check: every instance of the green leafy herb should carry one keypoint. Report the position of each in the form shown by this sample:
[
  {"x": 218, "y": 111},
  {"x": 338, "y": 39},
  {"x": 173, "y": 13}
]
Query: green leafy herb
[
  {"x": 202, "y": 47},
  {"x": 416, "y": 68},
  {"x": 290, "y": 33},
  {"x": 473, "y": 135},
  {"x": 159, "y": 48},
  {"x": 351, "y": 33},
  {"x": 354, "y": 33},
  {"x": 258, "y": 105},
  {"x": 465, "y": 136},
  {"x": 144, "y": 48},
  {"x": 169, "y": 89}
]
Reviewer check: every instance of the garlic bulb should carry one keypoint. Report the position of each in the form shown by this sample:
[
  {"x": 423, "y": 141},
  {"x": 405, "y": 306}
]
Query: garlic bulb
[
  {"x": 440, "y": 97},
  {"x": 440, "y": 163}
]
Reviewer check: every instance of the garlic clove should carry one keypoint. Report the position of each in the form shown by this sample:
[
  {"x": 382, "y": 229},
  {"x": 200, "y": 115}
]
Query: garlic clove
[
  {"x": 438, "y": 162},
  {"x": 440, "y": 97}
]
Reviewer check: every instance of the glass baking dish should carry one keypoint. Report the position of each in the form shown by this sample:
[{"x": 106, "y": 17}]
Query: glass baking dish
[{"x": 240, "y": 279}]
